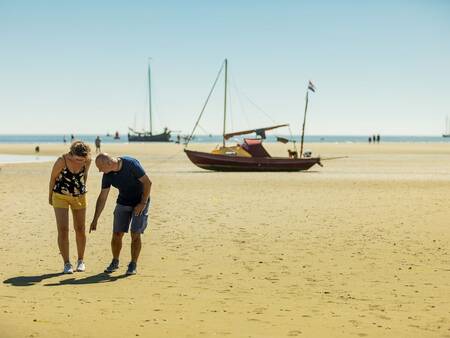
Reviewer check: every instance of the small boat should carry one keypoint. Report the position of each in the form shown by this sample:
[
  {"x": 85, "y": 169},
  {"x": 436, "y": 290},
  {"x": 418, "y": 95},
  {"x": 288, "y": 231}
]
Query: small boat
[
  {"x": 137, "y": 136},
  {"x": 447, "y": 128},
  {"x": 148, "y": 136},
  {"x": 250, "y": 155}
]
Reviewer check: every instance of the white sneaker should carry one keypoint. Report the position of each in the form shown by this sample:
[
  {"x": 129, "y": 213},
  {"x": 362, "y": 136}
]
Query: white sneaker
[
  {"x": 68, "y": 268},
  {"x": 80, "y": 266}
]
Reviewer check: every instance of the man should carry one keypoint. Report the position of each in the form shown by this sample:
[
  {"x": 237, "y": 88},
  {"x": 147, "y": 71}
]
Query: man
[
  {"x": 126, "y": 174},
  {"x": 98, "y": 142}
]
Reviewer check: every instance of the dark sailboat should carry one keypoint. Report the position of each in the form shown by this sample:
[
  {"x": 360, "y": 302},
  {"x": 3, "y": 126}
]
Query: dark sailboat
[
  {"x": 250, "y": 155},
  {"x": 148, "y": 136}
]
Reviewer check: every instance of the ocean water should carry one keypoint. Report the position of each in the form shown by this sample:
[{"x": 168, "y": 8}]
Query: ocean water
[
  {"x": 42, "y": 139},
  {"x": 25, "y": 158}
]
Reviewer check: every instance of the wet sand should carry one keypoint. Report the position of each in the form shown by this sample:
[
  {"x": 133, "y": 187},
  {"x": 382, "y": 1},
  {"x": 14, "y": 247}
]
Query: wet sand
[{"x": 358, "y": 248}]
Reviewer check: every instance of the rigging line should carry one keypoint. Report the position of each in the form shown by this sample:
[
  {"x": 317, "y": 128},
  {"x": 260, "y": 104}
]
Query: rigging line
[
  {"x": 292, "y": 137},
  {"x": 333, "y": 158},
  {"x": 231, "y": 107},
  {"x": 203, "y": 129},
  {"x": 154, "y": 104},
  {"x": 259, "y": 108},
  {"x": 290, "y": 132},
  {"x": 204, "y": 106},
  {"x": 233, "y": 83}
]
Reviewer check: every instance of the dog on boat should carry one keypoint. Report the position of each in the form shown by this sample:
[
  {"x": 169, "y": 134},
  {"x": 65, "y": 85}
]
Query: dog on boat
[{"x": 292, "y": 153}]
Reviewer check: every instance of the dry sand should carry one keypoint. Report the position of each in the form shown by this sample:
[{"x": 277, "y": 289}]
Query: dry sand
[{"x": 357, "y": 248}]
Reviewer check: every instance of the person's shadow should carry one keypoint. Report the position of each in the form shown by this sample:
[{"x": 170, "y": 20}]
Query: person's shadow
[
  {"x": 102, "y": 277},
  {"x": 29, "y": 280},
  {"x": 33, "y": 280}
]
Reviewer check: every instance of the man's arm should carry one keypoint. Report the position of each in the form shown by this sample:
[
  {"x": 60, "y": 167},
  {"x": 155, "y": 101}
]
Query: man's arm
[
  {"x": 99, "y": 206},
  {"x": 146, "y": 187},
  {"x": 86, "y": 171}
]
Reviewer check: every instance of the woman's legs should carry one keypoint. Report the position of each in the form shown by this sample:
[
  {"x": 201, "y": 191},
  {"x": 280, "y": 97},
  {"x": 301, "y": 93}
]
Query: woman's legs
[
  {"x": 62, "y": 223},
  {"x": 79, "y": 222}
]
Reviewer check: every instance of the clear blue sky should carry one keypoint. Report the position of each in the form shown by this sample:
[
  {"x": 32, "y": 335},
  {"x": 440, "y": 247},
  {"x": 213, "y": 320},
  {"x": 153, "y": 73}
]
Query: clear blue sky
[{"x": 80, "y": 66}]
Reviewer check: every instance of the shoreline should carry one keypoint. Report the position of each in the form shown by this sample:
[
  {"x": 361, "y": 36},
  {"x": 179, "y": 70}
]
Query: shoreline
[{"x": 275, "y": 149}]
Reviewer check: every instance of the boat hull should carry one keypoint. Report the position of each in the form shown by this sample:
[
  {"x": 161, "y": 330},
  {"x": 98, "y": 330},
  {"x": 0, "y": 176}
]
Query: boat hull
[
  {"x": 237, "y": 163},
  {"x": 164, "y": 137}
]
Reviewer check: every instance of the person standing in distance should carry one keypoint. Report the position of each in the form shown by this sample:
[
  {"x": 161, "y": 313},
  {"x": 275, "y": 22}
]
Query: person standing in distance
[
  {"x": 128, "y": 176},
  {"x": 98, "y": 142}
]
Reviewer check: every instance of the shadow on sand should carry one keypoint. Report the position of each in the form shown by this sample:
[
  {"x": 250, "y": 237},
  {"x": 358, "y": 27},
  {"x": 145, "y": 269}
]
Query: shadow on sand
[
  {"x": 30, "y": 280},
  {"x": 33, "y": 280},
  {"x": 98, "y": 278}
]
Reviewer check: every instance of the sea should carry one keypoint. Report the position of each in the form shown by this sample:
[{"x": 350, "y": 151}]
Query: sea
[
  {"x": 89, "y": 138},
  {"x": 37, "y": 140}
]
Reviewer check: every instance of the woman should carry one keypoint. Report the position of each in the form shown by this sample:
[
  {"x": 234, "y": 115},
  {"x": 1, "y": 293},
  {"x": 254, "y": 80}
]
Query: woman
[{"x": 68, "y": 188}]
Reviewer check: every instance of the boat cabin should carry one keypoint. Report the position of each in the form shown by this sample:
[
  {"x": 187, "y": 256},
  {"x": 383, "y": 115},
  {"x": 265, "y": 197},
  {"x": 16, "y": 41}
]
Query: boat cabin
[{"x": 251, "y": 147}]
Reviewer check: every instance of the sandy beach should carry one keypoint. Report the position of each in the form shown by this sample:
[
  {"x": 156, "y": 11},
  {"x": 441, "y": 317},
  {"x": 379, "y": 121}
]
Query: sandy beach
[{"x": 358, "y": 248}]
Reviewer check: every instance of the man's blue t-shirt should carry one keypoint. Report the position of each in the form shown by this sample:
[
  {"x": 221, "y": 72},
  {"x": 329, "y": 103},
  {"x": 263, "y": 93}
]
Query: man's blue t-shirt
[{"x": 127, "y": 181}]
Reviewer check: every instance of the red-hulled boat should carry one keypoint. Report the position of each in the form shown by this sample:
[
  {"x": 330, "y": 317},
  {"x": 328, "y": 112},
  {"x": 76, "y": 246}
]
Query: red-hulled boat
[
  {"x": 232, "y": 162},
  {"x": 250, "y": 155}
]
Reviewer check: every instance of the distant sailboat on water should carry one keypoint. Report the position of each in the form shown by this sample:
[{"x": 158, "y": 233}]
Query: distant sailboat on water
[
  {"x": 447, "y": 128},
  {"x": 148, "y": 136}
]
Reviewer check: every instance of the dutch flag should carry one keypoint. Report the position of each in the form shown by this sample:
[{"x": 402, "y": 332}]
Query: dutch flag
[{"x": 311, "y": 87}]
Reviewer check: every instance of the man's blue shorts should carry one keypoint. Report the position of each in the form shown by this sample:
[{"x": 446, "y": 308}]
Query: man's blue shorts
[{"x": 124, "y": 217}]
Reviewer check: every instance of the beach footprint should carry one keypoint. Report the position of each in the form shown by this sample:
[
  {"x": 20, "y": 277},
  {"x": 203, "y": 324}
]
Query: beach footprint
[{"x": 294, "y": 333}]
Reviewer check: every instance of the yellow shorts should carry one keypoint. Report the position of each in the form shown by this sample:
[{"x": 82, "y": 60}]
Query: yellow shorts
[{"x": 63, "y": 201}]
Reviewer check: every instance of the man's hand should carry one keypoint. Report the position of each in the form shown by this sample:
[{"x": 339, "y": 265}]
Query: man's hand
[
  {"x": 138, "y": 209},
  {"x": 50, "y": 201},
  {"x": 93, "y": 226}
]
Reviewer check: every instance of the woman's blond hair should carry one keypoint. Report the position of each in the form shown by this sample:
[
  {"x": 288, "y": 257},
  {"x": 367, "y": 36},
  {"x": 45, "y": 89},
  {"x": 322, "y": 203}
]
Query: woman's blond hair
[{"x": 79, "y": 148}]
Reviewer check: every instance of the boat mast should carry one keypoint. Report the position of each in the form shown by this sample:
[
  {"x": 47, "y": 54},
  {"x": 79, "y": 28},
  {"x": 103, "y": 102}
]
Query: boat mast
[
  {"x": 304, "y": 121},
  {"x": 150, "y": 96},
  {"x": 225, "y": 101}
]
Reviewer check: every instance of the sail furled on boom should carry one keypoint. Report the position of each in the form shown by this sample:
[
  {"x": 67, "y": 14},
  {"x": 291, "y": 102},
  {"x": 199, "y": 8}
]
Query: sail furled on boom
[
  {"x": 282, "y": 139},
  {"x": 258, "y": 131}
]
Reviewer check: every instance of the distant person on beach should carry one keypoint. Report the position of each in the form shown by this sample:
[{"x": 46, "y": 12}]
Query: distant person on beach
[
  {"x": 67, "y": 187},
  {"x": 37, "y": 149},
  {"x": 72, "y": 138},
  {"x": 129, "y": 177},
  {"x": 378, "y": 138},
  {"x": 64, "y": 139},
  {"x": 370, "y": 139},
  {"x": 98, "y": 141}
]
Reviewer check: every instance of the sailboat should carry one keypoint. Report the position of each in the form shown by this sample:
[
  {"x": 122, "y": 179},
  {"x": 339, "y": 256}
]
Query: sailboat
[
  {"x": 148, "y": 136},
  {"x": 447, "y": 128},
  {"x": 250, "y": 155}
]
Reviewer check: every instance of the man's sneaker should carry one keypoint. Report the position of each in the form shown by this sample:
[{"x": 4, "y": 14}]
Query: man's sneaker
[
  {"x": 68, "y": 268},
  {"x": 131, "y": 269},
  {"x": 81, "y": 266},
  {"x": 113, "y": 266}
]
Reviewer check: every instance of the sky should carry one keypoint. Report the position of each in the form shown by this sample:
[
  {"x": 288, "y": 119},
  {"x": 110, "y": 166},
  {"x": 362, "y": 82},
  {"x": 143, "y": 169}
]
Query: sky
[{"x": 81, "y": 66}]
